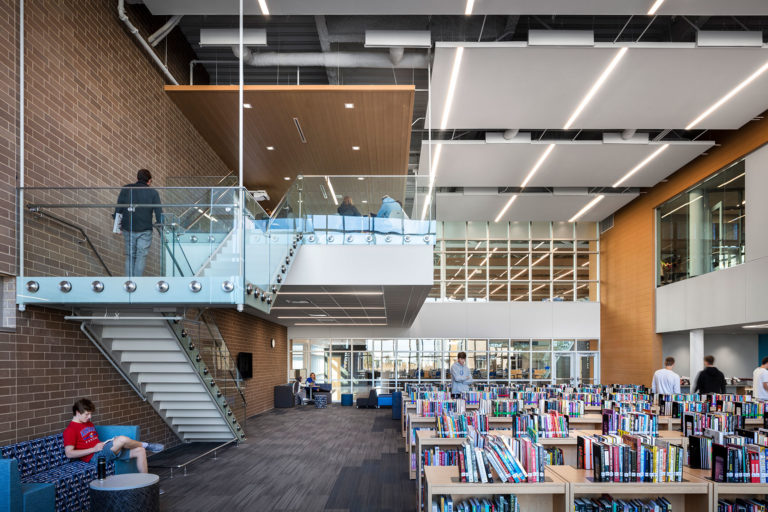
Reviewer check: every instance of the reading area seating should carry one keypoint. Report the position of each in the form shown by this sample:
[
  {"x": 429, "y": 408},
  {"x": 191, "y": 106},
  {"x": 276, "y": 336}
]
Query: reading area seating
[{"x": 42, "y": 461}]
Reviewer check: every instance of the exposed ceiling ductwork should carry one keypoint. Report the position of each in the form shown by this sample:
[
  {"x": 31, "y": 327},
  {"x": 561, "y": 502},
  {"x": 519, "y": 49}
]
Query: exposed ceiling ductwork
[{"x": 335, "y": 59}]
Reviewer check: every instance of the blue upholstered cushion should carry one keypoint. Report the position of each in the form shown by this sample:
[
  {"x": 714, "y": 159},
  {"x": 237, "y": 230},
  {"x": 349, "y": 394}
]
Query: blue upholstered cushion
[
  {"x": 36, "y": 455},
  {"x": 72, "y": 481},
  {"x": 39, "y": 497}
]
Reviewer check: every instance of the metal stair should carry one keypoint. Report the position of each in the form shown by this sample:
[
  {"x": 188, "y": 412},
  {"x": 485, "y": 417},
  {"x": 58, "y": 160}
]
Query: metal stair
[{"x": 159, "y": 358}]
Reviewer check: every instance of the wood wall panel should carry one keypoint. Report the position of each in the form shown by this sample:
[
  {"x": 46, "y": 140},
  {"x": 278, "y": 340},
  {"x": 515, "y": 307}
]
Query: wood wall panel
[{"x": 630, "y": 348}]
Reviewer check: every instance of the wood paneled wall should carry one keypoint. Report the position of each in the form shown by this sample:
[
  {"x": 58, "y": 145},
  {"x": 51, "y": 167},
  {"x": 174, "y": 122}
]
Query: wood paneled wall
[{"x": 630, "y": 348}]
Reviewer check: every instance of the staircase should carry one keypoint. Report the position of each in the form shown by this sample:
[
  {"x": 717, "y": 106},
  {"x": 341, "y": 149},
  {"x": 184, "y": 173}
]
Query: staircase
[{"x": 160, "y": 359}]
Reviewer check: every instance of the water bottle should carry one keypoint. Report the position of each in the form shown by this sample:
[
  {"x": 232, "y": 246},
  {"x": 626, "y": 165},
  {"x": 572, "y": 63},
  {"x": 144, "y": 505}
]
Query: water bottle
[{"x": 101, "y": 468}]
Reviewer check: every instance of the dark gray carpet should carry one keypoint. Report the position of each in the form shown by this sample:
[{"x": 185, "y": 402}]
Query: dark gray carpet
[{"x": 339, "y": 459}]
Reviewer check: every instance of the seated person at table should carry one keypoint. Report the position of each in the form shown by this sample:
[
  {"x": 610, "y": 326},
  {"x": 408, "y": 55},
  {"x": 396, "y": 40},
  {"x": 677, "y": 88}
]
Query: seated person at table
[
  {"x": 82, "y": 442},
  {"x": 312, "y": 380},
  {"x": 298, "y": 392}
]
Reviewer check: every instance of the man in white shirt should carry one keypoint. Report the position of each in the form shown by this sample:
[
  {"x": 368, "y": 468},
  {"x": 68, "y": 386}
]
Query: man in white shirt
[
  {"x": 461, "y": 376},
  {"x": 760, "y": 380},
  {"x": 665, "y": 381}
]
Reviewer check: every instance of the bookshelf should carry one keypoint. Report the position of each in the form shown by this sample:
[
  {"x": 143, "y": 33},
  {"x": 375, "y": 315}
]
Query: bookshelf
[
  {"x": 690, "y": 495},
  {"x": 549, "y": 496},
  {"x": 590, "y": 421}
]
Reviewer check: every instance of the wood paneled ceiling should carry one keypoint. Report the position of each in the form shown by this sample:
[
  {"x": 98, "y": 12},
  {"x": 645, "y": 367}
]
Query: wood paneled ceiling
[{"x": 379, "y": 124}]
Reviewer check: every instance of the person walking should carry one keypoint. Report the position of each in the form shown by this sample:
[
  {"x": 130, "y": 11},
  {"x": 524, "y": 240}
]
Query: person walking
[
  {"x": 461, "y": 375},
  {"x": 135, "y": 222},
  {"x": 348, "y": 208},
  {"x": 710, "y": 379},
  {"x": 666, "y": 381}
]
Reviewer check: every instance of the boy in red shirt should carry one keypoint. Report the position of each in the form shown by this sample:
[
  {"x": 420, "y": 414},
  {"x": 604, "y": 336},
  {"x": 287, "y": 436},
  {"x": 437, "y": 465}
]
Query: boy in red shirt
[{"x": 81, "y": 441}]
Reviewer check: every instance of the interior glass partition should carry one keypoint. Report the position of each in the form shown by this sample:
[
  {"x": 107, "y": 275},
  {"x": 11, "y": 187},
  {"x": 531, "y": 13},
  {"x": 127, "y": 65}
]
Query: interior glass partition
[
  {"x": 516, "y": 261},
  {"x": 702, "y": 229},
  {"x": 358, "y": 365}
]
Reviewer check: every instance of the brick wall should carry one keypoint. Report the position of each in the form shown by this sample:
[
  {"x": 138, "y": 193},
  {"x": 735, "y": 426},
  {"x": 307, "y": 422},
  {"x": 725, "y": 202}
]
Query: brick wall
[
  {"x": 630, "y": 348},
  {"x": 96, "y": 112},
  {"x": 245, "y": 333}
]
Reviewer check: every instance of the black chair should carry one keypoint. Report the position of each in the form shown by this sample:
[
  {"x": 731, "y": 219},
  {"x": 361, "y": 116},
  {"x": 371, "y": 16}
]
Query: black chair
[
  {"x": 371, "y": 401},
  {"x": 284, "y": 396}
]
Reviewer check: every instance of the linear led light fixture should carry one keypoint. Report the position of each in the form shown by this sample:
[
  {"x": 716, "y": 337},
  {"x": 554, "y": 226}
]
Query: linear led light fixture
[
  {"x": 334, "y": 324},
  {"x": 538, "y": 165},
  {"x": 655, "y": 7},
  {"x": 331, "y": 293},
  {"x": 737, "y": 218},
  {"x": 563, "y": 275},
  {"x": 469, "y": 7},
  {"x": 333, "y": 317},
  {"x": 641, "y": 165},
  {"x": 681, "y": 206},
  {"x": 452, "y": 86},
  {"x": 328, "y": 307},
  {"x": 755, "y": 326},
  {"x": 596, "y": 86},
  {"x": 333, "y": 193},
  {"x": 728, "y": 96},
  {"x": 588, "y": 207},
  {"x": 506, "y": 207},
  {"x": 263, "y": 7},
  {"x": 731, "y": 180},
  {"x": 432, "y": 175}
]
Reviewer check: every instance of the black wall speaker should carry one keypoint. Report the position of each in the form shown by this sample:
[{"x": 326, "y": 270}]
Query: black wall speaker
[{"x": 245, "y": 364}]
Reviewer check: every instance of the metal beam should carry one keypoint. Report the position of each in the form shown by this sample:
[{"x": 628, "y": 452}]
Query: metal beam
[{"x": 325, "y": 45}]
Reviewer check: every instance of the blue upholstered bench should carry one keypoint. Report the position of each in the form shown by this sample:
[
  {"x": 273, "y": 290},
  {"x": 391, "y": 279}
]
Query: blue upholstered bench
[{"x": 42, "y": 461}]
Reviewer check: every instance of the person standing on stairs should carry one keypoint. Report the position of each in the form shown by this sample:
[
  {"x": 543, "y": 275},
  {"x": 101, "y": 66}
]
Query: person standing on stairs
[
  {"x": 135, "y": 222},
  {"x": 82, "y": 442}
]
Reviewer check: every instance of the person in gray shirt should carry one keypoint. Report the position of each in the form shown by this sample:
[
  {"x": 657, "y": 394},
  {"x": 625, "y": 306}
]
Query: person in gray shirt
[{"x": 461, "y": 376}]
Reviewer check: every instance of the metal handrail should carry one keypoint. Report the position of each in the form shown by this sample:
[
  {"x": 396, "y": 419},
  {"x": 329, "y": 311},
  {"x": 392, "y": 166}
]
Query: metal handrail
[
  {"x": 70, "y": 225},
  {"x": 159, "y": 228},
  {"x": 218, "y": 338}
]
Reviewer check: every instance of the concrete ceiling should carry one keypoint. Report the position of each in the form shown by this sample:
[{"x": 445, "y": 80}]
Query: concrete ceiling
[
  {"x": 457, "y": 7},
  {"x": 512, "y": 85},
  {"x": 570, "y": 164},
  {"x": 536, "y": 207}
]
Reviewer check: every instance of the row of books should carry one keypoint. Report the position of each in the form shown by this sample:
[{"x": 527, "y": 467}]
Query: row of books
[
  {"x": 429, "y": 395},
  {"x": 739, "y": 464},
  {"x": 549, "y": 425},
  {"x": 507, "y": 407},
  {"x": 589, "y": 399},
  {"x": 630, "y": 458},
  {"x": 743, "y": 409},
  {"x": 439, "y": 407},
  {"x": 639, "y": 406},
  {"x": 474, "y": 397},
  {"x": 502, "y": 503},
  {"x": 630, "y": 422},
  {"x": 572, "y": 408},
  {"x": 695, "y": 423},
  {"x": 742, "y": 505},
  {"x": 610, "y": 504},
  {"x": 459, "y": 425},
  {"x": 440, "y": 457}
]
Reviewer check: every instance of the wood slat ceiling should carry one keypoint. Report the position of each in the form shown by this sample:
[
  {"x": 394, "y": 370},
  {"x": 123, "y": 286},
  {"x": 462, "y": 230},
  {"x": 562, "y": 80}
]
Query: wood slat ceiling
[{"x": 380, "y": 124}]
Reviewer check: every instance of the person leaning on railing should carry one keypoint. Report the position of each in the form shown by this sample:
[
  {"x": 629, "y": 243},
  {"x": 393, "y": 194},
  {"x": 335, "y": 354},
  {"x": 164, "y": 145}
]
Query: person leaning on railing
[{"x": 136, "y": 222}]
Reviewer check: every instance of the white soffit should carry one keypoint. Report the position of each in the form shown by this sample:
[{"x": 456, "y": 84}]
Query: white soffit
[
  {"x": 512, "y": 85},
  {"x": 537, "y": 207},
  {"x": 457, "y": 7},
  {"x": 570, "y": 164}
]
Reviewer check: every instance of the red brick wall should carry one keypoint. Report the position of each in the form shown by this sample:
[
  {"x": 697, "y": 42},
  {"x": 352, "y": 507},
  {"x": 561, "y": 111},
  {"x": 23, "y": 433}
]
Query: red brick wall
[
  {"x": 246, "y": 333},
  {"x": 96, "y": 112}
]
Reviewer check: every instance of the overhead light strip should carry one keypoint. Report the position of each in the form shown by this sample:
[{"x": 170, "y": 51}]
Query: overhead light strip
[
  {"x": 679, "y": 207},
  {"x": 333, "y": 193},
  {"x": 332, "y": 317},
  {"x": 588, "y": 207},
  {"x": 506, "y": 207},
  {"x": 641, "y": 165},
  {"x": 755, "y": 326},
  {"x": 432, "y": 176},
  {"x": 330, "y": 293},
  {"x": 469, "y": 7},
  {"x": 655, "y": 7},
  {"x": 334, "y": 324},
  {"x": 328, "y": 307},
  {"x": 452, "y": 86},
  {"x": 263, "y": 7},
  {"x": 728, "y": 96},
  {"x": 731, "y": 180},
  {"x": 734, "y": 220},
  {"x": 538, "y": 165},
  {"x": 595, "y": 87}
]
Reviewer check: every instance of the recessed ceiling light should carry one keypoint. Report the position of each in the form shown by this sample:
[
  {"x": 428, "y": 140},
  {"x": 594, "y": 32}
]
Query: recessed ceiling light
[
  {"x": 641, "y": 165},
  {"x": 349, "y": 105},
  {"x": 247, "y": 105},
  {"x": 355, "y": 148},
  {"x": 655, "y": 7},
  {"x": 728, "y": 96},
  {"x": 264, "y": 8},
  {"x": 452, "y": 86},
  {"x": 270, "y": 148},
  {"x": 287, "y": 178},
  {"x": 595, "y": 87},
  {"x": 360, "y": 178},
  {"x": 588, "y": 207},
  {"x": 364, "y": 201},
  {"x": 468, "y": 8}
]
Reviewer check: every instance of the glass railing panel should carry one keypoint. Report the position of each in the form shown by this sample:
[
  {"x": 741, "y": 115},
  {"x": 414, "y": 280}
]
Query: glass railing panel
[{"x": 256, "y": 244}]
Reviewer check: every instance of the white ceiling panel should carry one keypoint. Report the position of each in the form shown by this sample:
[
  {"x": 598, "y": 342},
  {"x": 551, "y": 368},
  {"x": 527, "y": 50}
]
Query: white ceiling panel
[
  {"x": 456, "y": 7},
  {"x": 512, "y": 85},
  {"x": 537, "y": 207},
  {"x": 570, "y": 164}
]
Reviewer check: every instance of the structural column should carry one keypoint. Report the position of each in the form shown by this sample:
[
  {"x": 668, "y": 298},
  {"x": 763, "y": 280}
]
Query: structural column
[
  {"x": 699, "y": 238},
  {"x": 696, "y": 363}
]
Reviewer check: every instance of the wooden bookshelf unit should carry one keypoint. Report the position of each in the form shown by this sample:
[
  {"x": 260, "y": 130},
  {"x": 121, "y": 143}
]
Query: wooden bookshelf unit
[{"x": 549, "y": 496}]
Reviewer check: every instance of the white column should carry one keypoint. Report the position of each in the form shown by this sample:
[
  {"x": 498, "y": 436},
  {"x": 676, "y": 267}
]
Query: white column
[
  {"x": 696, "y": 362},
  {"x": 699, "y": 235}
]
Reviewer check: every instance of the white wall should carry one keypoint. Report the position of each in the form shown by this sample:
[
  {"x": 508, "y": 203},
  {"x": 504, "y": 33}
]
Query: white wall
[
  {"x": 735, "y": 354},
  {"x": 481, "y": 320},
  {"x": 733, "y": 296}
]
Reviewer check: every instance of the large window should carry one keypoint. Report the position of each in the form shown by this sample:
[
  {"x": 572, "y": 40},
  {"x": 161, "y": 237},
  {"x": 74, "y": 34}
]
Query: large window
[
  {"x": 702, "y": 229},
  {"x": 516, "y": 261},
  {"x": 356, "y": 366}
]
